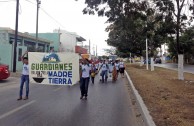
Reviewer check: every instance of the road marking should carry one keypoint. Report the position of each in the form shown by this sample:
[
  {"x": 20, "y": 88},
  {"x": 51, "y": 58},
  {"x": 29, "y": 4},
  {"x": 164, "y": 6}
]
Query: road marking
[
  {"x": 58, "y": 89},
  {"x": 16, "y": 109}
]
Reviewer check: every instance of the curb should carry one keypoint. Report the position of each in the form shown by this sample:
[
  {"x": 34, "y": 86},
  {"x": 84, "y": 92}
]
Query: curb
[{"x": 146, "y": 115}]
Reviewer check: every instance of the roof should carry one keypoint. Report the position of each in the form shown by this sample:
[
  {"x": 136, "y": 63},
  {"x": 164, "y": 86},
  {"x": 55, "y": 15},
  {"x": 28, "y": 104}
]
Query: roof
[
  {"x": 26, "y": 35},
  {"x": 80, "y": 39}
]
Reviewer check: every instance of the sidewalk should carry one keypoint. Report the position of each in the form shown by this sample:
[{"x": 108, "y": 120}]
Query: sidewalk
[
  {"x": 16, "y": 74},
  {"x": 174, "y": 66}
]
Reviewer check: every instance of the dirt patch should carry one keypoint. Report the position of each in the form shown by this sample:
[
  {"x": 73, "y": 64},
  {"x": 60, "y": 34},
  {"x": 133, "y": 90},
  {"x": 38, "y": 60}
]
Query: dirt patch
[{"x": 169, "y": 100}]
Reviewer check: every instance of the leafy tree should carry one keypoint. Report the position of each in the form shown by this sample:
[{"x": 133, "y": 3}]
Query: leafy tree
[
  {"x": 179, "y": 13},
  {"x": 110, "y": 51},
  {"x": 186, "y": 43},
  {"x": 128, "y": 19}
]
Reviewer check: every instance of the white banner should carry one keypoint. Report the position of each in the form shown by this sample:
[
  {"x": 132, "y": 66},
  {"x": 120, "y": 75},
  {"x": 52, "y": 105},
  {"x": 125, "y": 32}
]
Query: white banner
[{"x": 54, "y": 68}]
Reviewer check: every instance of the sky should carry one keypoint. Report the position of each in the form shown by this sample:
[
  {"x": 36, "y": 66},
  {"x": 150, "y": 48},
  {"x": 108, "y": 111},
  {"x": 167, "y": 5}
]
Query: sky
[{"x": 54, "y": 14}]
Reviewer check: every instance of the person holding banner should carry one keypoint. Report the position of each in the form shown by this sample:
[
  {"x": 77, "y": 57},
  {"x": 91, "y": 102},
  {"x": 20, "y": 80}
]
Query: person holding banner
[
  {"x": 24, "y": 77},
  {"x": 85, "y": 75}
]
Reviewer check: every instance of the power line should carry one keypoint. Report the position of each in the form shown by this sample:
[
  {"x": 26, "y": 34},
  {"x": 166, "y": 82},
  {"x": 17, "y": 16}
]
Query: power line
[
  {"x": 52, "y": 17},
  {"x": 31, "y": 2},
  {"x": 7, "y": 0},
  {"x": 47, "y": 14}
]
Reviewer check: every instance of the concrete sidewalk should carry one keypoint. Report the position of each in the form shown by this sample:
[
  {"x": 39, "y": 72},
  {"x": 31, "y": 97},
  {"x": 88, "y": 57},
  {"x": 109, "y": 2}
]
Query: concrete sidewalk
[{"x": 174, "y": 66}]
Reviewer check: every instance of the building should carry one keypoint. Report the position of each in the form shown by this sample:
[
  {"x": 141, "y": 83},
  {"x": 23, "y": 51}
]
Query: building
[
  {"x": 69, "y": 41},
  {"x": 54, "y": 37},
  {"x": 64, "y": 41},
  {"x": 25, "y": 42},
  {"x": 163, "y": 51}
]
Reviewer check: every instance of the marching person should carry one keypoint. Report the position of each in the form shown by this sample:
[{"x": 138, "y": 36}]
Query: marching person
[
  {"x": 104, "y": 71},
  {"x": 85, "y": 75},
  {"x": 117, "y": 67},
  {"x": 122, "y": 68},
  {"x": 93, "y": 72},
  {"x": 24, "y": 77},
  {"x": 114, "y": 72}
]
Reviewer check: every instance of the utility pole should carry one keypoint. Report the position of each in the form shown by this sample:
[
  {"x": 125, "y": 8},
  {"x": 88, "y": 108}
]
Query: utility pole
[
  {"x": 37, "y": 15},
  {"x": 89, "y": 46},
  {"x": 96, "y": 50},
  {"x": 16, "y": 37}
]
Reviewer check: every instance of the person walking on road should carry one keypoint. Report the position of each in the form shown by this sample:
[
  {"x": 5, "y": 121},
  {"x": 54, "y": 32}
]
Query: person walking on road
[
  {"x": 122, "y": 68},
  {"x": 93, "y": 72},
  {"x": 114, "y": 73},
  {"x": 117, "y": 67},
  {"x": 104, "y": 71},
  {"x": 24, "y": 77},
  {"x": 85, "y": 75}
]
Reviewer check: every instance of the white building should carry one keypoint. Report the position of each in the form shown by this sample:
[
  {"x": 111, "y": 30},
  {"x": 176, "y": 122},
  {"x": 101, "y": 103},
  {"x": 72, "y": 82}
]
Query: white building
[
  {"x": 68, "y": 40},
  {"x": 163, "y": 50}
]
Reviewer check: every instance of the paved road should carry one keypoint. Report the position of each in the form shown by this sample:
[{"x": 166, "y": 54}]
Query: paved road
[
  {"x": 173, "y": 66},
  {"x": 107, "y": 105}
]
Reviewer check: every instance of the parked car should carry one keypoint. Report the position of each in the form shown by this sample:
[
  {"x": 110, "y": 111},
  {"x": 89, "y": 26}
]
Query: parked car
[
  {"x": 4, "y": 71},
  {"x": 158, "y": 60}
]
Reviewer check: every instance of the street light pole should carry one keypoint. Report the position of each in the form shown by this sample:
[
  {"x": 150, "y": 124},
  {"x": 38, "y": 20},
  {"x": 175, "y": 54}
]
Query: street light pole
[{"x": 16, "y": 37}]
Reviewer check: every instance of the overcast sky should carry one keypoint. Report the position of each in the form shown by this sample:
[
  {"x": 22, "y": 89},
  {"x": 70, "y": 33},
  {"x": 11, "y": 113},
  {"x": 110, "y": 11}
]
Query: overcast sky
[{"x": 63, "y": 14}]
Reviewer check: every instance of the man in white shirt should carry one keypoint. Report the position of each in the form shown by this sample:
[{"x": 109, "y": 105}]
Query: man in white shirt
[
  {"x": 85, "y": 75},
  {"x": 24, "y": 77}
]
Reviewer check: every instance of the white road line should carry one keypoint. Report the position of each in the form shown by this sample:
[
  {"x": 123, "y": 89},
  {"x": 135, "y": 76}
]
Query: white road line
[
  {"x": 58, "y": 89},
  {"x": 16, "y": 109}
]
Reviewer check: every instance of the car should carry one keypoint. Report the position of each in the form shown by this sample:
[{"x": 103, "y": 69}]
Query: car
[
  {"x": 158, "y": 60},
  {"x": 4, "y": 71}
]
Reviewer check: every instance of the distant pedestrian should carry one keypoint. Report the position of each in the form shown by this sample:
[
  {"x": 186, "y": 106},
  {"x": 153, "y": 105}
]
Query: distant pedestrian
[
  {"x": 104, "y": 71},
  {"x": 93, "y": 72},
  {"x": 85, "y": 75},
  {"x": 24, "y": 77},
  {"x": 117, "y": 67},
  {"x": 114, "y": 73},
  {"x": 122, "y": 68}
]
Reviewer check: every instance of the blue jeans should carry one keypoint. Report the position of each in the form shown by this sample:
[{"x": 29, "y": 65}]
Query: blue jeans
[
  {"x": 24, "y": 79},
  {"x": 84, "y": 86},
  {"x": 104, "y": 75}
]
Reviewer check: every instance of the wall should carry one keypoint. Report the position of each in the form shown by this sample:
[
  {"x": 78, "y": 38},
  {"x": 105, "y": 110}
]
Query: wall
[
  {"x": 80, "y": 50},
  {"x": 55, "y": 37},
  {"x": 68, "y": 40},
  {"x": 6, "y": 56}
]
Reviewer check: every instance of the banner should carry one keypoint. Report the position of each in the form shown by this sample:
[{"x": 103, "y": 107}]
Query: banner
[{"x": 53, "y": 68}]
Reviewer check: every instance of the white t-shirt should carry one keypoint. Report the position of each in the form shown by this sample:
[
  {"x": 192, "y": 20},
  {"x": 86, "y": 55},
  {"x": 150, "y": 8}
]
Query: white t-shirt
[
  {"x": 121, "y": 65},
  {"x": 104, "y": 67},
  {"x": 117, "y": 66},
  {"x": 100, "y": 64},
  {"x": 96, "y": 65},
  {"x": 111, "y": 68},
  {"x": 85, "y": 71},
  {"x": 90, "y": 66},
  {"x": 25, "y": 70}
]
